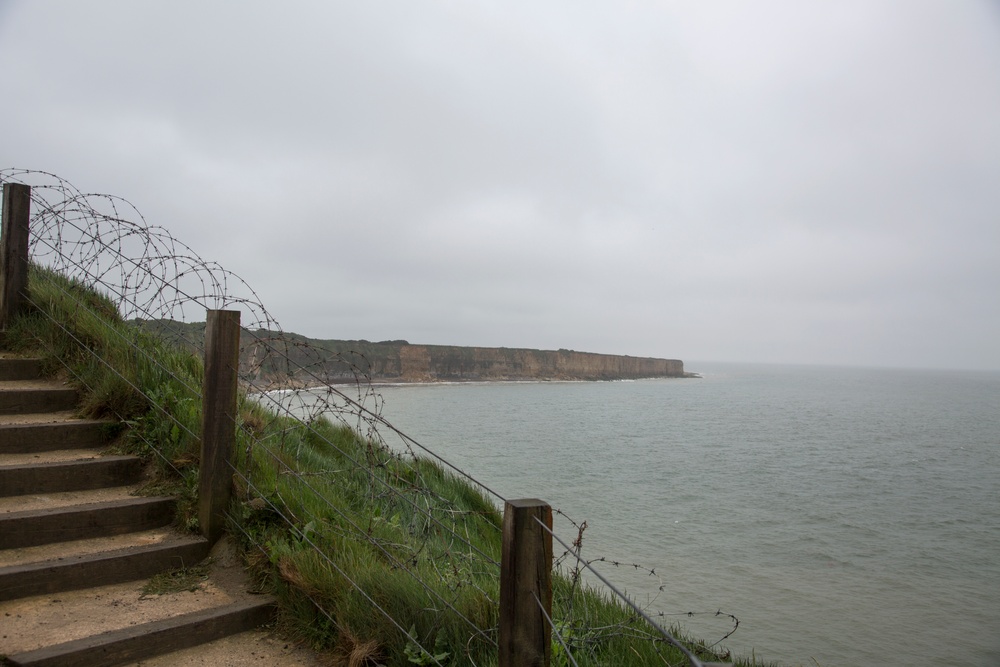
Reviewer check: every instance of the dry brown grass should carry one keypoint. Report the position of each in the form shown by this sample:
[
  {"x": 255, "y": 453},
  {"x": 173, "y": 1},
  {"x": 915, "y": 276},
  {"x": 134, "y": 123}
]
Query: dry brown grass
[{"x": 353, "y": 652}]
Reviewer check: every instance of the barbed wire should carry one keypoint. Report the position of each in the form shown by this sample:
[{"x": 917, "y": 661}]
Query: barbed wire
[
  {"x": 574, "y": 548},
  {"x": 163, "y": 286},
  {"x": 573, "y": 551},
  {"x": 159, "y": 281},
  {"x": 156, "y": 282},
  {"x": 374, "y": 542},
  {"x": 305, "y": 537}
]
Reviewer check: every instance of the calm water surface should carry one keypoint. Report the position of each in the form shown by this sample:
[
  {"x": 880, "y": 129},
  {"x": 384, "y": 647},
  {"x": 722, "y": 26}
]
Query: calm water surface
[{"x": 845, "y": 516}]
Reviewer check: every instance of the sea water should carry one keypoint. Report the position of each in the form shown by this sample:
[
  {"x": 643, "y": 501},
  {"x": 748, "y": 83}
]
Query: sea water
[{"x": 845, "y": 516}]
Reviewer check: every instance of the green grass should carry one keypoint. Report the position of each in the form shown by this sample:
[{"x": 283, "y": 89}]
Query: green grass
[{"x": 337, "y": 526}]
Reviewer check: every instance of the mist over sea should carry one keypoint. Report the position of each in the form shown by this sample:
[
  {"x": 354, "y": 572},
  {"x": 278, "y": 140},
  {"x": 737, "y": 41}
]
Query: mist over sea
[{"x": 845, "y": 515}]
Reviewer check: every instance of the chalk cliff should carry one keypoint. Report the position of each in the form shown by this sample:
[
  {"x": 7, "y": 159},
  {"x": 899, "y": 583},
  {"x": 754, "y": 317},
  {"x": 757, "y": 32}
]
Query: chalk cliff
[
  {"x": 438, "y": 362},
  {"x": 281, "y": 360},
  {"x": 398, "y": 361}
]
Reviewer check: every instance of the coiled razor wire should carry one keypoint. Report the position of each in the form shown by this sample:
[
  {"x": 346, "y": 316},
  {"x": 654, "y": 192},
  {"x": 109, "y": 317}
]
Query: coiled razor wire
[{"x": 104, "y": 242}]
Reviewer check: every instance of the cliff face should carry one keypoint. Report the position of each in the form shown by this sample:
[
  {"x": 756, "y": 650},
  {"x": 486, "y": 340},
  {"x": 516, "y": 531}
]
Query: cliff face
[
  {"x": 398, "y": 361},
  {"x": 402, "y": 362},
  {"x": 438, "y": 362}
]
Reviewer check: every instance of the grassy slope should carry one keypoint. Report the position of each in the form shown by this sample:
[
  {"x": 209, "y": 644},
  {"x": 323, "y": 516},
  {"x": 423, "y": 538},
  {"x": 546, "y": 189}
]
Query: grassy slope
[{"x": 323, "y": 514}]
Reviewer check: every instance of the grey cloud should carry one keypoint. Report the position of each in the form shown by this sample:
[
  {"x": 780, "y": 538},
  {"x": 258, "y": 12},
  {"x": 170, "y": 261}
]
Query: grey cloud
[{"x": 769, "y": 182}]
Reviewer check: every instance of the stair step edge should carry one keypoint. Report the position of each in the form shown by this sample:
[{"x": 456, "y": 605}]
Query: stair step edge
[
  {"x": 138, "y": 642},
  {"x": 70, "y": 475},
  {"x": 27, "y": 437},
  {"x": 87, "y": 507},
  {"x": 117, "y": 517},
  {"x": 17, "y": 401},
  {"x": 20, "y": 368},
  {"x": 100, "y": 568}
]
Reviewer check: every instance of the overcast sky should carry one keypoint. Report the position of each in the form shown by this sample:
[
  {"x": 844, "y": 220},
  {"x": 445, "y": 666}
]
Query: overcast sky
[{"x": 766, "y": 181}]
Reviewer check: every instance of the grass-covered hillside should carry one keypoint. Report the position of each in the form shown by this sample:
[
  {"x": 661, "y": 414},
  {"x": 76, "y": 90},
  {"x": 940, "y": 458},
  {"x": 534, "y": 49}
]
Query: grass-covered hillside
[{"x": 377, "y": 557}]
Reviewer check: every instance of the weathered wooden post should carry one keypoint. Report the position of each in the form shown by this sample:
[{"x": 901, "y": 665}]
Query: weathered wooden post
[
  {"x": 14, "y": 251},
  {"x": 525, "y": 637},
  {"x": 218, "y": 421}
]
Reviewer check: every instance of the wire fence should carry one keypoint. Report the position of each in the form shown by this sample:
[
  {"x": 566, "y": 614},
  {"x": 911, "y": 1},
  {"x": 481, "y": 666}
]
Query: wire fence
[{"x": 365, "y": 529}]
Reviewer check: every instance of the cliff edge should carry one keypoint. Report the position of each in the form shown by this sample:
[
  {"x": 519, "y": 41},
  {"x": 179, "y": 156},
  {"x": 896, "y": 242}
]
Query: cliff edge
[
  {"x": 399, "y": 361},
  {"x": 339, "y": 361}
]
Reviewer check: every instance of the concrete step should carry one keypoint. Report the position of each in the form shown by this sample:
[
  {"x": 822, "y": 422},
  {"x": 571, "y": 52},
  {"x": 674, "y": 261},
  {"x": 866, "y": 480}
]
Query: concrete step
[
  {"x": 262, "y": 646},
  {"x": 50, "y": 501},
  {"x": 76, "y": 522},
  {"x": 89, "y": 565},
  {"x": 17, "y": 368},
  {"x": 49, "y": 456},
  {"x": 25, "y": 433},
  {"x": 122, "y": 623},
  {"x": 127, "y": 645},
  {"x": 94, "y": 546},
  {"x": 75, "y": 545},
  {"x": 36, "y": 396},
  {"x": 93, "y": 473}
]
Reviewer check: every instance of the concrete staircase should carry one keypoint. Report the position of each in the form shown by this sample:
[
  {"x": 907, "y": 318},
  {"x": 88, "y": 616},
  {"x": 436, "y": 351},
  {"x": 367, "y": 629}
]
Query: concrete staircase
[{"x": 76, "y": 546}]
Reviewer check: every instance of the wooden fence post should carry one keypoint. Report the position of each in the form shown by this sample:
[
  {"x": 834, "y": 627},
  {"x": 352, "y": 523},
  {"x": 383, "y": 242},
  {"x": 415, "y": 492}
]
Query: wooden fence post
[
  {"x": 14, "y": 250},
  {"x": 525, "y": 637},
  {"x": 218, "y": 425}
]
